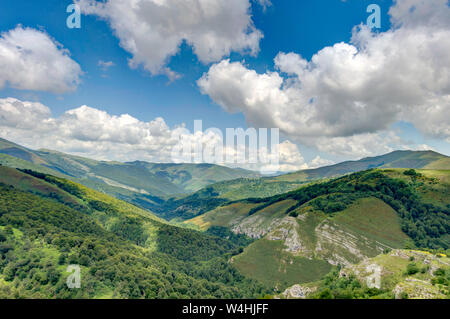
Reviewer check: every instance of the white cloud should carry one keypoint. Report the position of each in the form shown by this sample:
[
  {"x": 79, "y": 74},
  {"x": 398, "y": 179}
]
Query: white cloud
[
  {"x": 264, "y": 3},
  {"x": 105, "y": 65},
  {"x": 319, "y": 162},
  {"x": 361, "y": 145},
  {"x": 90, "y": 132},
  {"x": 31, "y": 60},
  {"x": 420, "y": 13},
  {"x": 153, "y": 30},
  {"x": 346, "y": 97}
]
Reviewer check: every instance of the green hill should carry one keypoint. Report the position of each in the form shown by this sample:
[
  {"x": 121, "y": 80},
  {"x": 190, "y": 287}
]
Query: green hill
[
  {"x": 268, "y": 186},
  {"x": 47, "y": 223},
  {"x": 340, "y": 222},
  {"x": 140, "y": 183},
  {"x": 304, "y": 240}
]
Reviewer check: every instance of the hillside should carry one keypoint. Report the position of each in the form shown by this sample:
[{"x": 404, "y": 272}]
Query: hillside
[
  {"x": 303, "y": 241},
  {"x": 398, "y": 274},
  {"x": 340, "y": 222},
  {"x": 140, "y": 183},
  {"x": 47, "y": 223}
]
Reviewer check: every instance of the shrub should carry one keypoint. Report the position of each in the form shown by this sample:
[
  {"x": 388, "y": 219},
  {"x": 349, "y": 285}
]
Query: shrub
[
  {"x": 410, "y": 172},
  {"x": 439, "y": 272},
  {"x": 412, "y": 269}
]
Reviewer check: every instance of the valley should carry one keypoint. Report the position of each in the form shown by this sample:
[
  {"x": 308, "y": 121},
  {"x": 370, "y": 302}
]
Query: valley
[{"x": 289, "y": 236}]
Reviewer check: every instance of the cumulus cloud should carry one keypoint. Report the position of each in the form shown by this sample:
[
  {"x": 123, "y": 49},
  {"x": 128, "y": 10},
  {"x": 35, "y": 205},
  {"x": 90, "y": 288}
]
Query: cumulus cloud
[
  {"x": 319, "y": 162},
  {"x": 346, "y": 97},
  {"x": 153, "y": 30},
  {"x": 105, "y": 65},
  {"x": 361, "y": 145},
  {"x": 90, "y": 132},
  {"x": 31, "y": 60}
]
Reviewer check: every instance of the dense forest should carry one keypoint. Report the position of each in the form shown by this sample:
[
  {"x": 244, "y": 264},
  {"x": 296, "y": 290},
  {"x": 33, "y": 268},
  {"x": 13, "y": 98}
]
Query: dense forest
[{"x": 120, "y": 256}]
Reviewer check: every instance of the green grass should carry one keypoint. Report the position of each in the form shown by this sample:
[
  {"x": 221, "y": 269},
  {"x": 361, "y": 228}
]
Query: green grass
[
  {"x": 222, "y": 216},
  {"x": 238, "y": 214},
  {"x": 307, "y": 223},
  {"x": 29, "y": 183},
  {"x": 267, "y": 262},
  {"x": 14, "y": 162},
  {"x": 374, "y": 219}
]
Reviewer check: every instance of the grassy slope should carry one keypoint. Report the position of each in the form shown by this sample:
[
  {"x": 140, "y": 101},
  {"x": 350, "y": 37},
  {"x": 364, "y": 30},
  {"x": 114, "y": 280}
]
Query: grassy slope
[
  {"x": 396, "y": 159},
  {"x": 374, "y": 219},
  {"x": 237, "y": 215},
  {"x": 192, "y": 177},
  {"x": 11, "y": 161},
  {"x": 266, "y": 261},
  {"x": 222, "y": 216},
  {"x": 156, "y": 179},
  {"x": 31, "y": 184},
  {"x": 369, "y": 226}
]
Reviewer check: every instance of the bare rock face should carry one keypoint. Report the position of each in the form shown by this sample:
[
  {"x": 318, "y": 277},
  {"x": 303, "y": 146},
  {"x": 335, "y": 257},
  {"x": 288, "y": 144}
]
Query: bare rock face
[
  {"x": 287, "y": 231},
  {"x": 298, "y": 292},
  {"x": 339, "y": 246},
  {"x": 255, "y": 226}
]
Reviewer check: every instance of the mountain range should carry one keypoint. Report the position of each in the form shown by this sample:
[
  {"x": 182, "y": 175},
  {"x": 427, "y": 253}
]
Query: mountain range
[
  {"x": 134, "y": 181},
  {"x": 147, "y": 230}
]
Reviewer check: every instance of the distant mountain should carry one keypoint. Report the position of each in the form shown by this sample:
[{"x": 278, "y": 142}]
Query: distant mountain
[
  {"x": 396, "y": 159},
  {"x": 269, "y": 186},
  {"x": 195, "y": 188},
  {"x": 138, "y": 182}
]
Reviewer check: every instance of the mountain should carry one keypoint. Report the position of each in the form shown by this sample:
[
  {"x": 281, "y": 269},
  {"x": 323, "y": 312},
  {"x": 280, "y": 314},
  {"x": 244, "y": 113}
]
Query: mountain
[
  {"x": 160, "y": 187},
  {"x": 47, "y": 223},
  {"x": 141, "y": 183},
  {"x": 321, "y": 240},
  {"x": 268, "y": 186},
  {"x": 302, "y": 234},
  {"x": 215, "y": 195},
  {"x": 396, "y": 159}
]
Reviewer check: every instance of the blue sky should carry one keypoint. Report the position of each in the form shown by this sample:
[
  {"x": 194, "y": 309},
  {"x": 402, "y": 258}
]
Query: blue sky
[
  {"x": 300, "y": 26},
  {"x": 304, "y": 27}
]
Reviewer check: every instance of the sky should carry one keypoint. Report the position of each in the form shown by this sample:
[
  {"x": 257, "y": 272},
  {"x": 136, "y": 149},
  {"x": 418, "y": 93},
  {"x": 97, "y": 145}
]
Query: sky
[{"x": 138, "y": 71}]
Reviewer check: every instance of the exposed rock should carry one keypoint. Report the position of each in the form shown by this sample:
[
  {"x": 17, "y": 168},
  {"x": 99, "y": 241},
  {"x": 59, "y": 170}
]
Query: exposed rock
[{"x": 287, "y": 230}]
